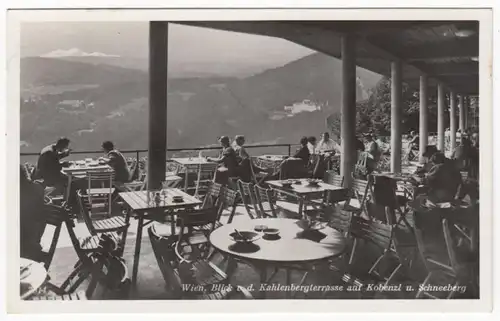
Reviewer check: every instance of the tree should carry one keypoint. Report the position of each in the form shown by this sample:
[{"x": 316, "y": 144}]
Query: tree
[{"x": 374, "y": 114}]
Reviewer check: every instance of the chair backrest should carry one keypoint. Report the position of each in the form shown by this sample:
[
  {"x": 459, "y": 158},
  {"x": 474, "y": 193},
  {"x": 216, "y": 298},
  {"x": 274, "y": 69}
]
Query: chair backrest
[
  {"x": 227, "y": 200},
  {"x": 213, "y": 193},
  {"x": 360, "y": 189},
  {"x": 247, "y": 194},
  {"x": 338, "y": 219},
  {"x": 331, "y": 177},
  {"x": 101, "y": 180},
  {"x": 205, "y": 174},
  {"x": 265, "y": 202},
  {"x": 85, "y": 210},
  {"x": 376, "y": 233}
]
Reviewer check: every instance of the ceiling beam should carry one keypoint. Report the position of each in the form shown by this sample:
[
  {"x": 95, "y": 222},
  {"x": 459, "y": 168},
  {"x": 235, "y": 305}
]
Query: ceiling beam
[
  {"x": 450, "y": 68},
  {"x": 457, "y": 48}
]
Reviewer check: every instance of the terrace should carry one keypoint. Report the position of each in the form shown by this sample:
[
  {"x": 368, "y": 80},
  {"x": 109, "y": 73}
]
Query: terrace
[{"x": 355, "y": 221}]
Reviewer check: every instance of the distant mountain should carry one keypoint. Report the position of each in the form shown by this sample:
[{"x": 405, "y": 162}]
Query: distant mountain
[
  {"x": 177, "y": 69},
  {"x": 91, "y": 101}
]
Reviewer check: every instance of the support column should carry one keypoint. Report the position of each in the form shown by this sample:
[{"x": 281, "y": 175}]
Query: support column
[
  {"x": 348, "y": 109},
  {"x": 157, "y": 146},
  {"x": 466, "y": 111},
  {"x": 440, "y": 117},
  {"x": 453, "y": 120},
  {"x": 423, "y": 131},
  {"x": 461, "y": 108},
  {"x": 396, "y": 112}
]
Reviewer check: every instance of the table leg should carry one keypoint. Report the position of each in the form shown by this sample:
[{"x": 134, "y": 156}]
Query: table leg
[
  {"x": 137, "y": 249},
  {"x": 301, "y": 207},
  {"x": 68, "y": 188}
]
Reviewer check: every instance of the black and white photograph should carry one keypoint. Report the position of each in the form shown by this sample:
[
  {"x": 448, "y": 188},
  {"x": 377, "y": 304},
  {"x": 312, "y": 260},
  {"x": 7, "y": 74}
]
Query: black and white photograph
[{"x": 251, "y": 159}]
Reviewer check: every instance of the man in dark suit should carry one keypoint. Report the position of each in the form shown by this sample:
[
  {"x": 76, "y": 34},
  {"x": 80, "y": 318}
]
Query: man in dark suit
[{"x": 49, "y": 163}]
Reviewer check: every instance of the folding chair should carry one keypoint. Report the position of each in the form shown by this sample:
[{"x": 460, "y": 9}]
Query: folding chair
[
  {"x": 205, "y": 177},
  {"x": 266, "y": 202},
  {"x": 110, "y": 275},
  {"x": 187, "y": 273},
  {"x": 115, "y": 225},
  {"x": 248, "y": 198},
  {"x": 360, "y": 194},
  {"x": 100, "y": 192},
  {"x": 52, "y": 217},
  {"x": 85, "y": 248},
  {"x": 459, "y": 268}
]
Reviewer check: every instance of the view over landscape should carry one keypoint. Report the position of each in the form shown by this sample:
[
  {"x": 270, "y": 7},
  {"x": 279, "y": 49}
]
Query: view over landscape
[{"x": 90, "y": 95}]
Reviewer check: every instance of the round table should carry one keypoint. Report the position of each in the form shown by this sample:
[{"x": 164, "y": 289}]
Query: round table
[
  {"x": 35, "y": 277},
  {"x": 289, "y": 251}
]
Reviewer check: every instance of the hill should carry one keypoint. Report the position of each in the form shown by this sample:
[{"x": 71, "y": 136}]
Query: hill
[{"x": 92, "y": 102}]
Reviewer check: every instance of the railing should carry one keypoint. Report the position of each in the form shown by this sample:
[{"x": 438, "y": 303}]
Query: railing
[{"x": 137, "y": 152}]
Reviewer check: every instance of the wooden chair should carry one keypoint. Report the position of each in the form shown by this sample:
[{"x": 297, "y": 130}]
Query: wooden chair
[
  {"x": 360, "y": 194},
  {"x": 457, "y": 268},
  {"x": 227, "y": 201},
  {"x": 266, "y": 202},
  {"x": 110, "y": 275},
  {"x": 204, "y": 177},
  {"x": 212, "y": 195},
  {"x": 331, "y": 177},
  {"x": 186, "y": 272},
  {"x": 100, "y": 192},
  {"x": 116, "y": 224},
  {"x": 376, "y": 234},
  {"x": 248, "y": 198},
  {"x": 87, "y": 250},
  {"x": 53, "y": 218}
]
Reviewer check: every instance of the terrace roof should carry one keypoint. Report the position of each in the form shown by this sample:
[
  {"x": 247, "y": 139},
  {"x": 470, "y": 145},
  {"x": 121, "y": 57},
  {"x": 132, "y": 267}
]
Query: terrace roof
[{"x": 446, "y": 51}]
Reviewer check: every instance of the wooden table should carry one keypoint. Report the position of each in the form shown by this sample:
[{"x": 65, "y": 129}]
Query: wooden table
[
  {"x": 36, "y": 275},
  {"x": 289, "y": 251},
  {"x": 190, "y": 163},
  {"x": 81, "y": 168},
  {"x": 304, "y": 191},
  {"x": 143, "y": 204}
]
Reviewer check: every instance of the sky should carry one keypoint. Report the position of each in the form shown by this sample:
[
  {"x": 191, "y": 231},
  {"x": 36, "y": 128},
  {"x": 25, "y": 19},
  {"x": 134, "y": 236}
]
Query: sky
[{"x": 130, "y": 39}]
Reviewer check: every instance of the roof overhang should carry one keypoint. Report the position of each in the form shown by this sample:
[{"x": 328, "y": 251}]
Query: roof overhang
[{"x": 445, "y": 51}]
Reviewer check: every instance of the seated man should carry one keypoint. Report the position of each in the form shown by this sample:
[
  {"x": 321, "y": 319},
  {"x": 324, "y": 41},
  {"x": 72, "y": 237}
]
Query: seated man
[
  {"x": 442, "y": 180},
  {"x": 430, "y": 150},
  {"x": 327, "y": 145},
  {"x": 117, "y": 161},
  {"x": 49, "y": 164}
]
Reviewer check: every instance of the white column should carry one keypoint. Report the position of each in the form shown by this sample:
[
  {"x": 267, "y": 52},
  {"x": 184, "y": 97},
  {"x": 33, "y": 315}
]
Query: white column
[
  {"x": 348, "y": 109},
  {"x": 453, "y": 120},
  {"x": 396, "y": 112},
  {"x": 461, "y": 109},
  {"x": 423, "y": 132},
  {"x": 440, "y": 117}
]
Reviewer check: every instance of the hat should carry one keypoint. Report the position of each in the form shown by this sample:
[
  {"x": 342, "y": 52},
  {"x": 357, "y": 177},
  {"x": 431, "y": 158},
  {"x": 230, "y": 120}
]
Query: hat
[{"x": 430, "y": 150}]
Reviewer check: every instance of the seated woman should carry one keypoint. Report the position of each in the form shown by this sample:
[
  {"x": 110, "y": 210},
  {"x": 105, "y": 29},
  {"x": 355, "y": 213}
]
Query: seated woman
[
  {"x": 32, "y": 223},
  {"x": 244, "y": 166},
  {"x": 228, "y": 162},
  {"x": 303, "y": 152}
]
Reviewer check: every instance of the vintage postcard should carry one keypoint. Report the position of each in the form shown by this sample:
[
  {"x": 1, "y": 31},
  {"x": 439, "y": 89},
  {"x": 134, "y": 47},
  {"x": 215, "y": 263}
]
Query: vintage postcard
[{"x": 325, "y": 160}]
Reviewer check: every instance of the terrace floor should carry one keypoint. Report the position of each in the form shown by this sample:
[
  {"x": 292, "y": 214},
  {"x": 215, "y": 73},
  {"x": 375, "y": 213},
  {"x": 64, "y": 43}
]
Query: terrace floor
[{"x": 150, "y": 284}]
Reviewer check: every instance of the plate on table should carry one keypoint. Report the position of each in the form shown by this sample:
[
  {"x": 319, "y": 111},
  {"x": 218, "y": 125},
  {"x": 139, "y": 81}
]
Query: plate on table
[
  {"x": 313, "y": 182},
  {"x": 311, "y": 225},
  {"x": 244, "y": 237}
]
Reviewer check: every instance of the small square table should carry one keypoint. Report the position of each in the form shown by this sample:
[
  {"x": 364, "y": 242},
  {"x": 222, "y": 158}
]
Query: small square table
[
  {"x": 142, "y": 203},
  {"x": 304, "y": 191},
  {"x": 190, "y": 163}
]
